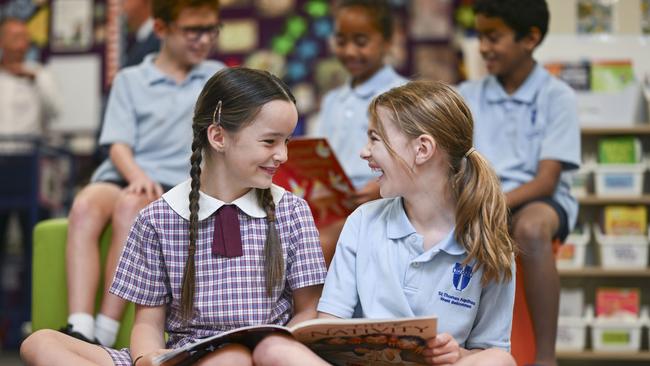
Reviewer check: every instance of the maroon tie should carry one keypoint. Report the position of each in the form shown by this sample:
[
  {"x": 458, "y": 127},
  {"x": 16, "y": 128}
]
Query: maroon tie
[{"x": 227, "y": 238}]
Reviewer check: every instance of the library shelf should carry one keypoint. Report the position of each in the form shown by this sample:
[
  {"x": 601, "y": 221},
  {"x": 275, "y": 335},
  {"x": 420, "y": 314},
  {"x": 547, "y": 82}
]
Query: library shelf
[
  {"x": 593, "y": 271},
  {"x": 637, "y": 129},
  {"x": 600, "y": 356},
  {"x": 593, "y": 200}
]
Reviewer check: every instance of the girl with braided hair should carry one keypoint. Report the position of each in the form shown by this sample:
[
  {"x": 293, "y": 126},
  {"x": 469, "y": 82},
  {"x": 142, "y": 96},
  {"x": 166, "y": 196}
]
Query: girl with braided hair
[{"x": 227, "y": 248}]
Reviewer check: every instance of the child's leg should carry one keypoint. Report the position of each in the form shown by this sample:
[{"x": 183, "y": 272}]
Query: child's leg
[
  {"x": 534, "y": 226},
  {"x": 488, "y": 357},
  {"x": 91, "y": 210},
  {"x": 280, "y": 350},
  {"x": 229, "y": 355},
  {"x": 52, "y": 348},
  {"x": 127, "y": 207}
]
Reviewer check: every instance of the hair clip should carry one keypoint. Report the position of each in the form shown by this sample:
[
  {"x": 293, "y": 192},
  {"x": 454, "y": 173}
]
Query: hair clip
[{"x": 216, "y": 116}]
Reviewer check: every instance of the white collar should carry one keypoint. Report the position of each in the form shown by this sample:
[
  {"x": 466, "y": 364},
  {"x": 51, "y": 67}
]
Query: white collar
[
  {"x": 145, "y": 30},
  {"x": 178, "y": 200}
]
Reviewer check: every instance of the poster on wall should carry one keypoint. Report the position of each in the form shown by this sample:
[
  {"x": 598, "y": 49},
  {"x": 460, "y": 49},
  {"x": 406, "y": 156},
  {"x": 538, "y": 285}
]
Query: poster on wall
[
  {"x": 238, "y": 36},
  {"x": 72, "y": 25},
  {"x": 594, "y": 16},
  {"x": 645, "y": 17}
]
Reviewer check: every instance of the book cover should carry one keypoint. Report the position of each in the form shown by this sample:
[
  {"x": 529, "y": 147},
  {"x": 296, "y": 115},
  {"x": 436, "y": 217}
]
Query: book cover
[
  {"x": 341, "y": 342},
  {"x": 614, "y": 302},
  {"x": 576, "y": 74},
  {"x": 313, "y": 172},
  {"x": 611, "y": 76},
  {"x": 626, "y": 220},
  {"x": 619, "y": 150}
]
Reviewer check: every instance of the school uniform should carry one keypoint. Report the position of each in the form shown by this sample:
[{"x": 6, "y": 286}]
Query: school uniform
[
  {"x": 344, "y": 121},
  {"x": 539, "y": 121},
  {"x": 152, "y": 113},
  {"x": 230, "y": 292},
  {"x": 380, "y": 270}
]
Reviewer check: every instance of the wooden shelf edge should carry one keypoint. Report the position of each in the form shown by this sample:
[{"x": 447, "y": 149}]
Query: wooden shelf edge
[
  {"x": 594, "y": 355},
  {"x": 639, "y": 128},
  {"x": 595, "y": 200},
  {"x": 603, "y": 272}
]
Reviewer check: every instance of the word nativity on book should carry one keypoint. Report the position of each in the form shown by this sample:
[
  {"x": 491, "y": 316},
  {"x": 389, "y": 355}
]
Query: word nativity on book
[{"x": 364, "y": 329}]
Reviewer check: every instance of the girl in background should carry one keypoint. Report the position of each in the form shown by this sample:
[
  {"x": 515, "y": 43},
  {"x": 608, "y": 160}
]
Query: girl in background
[{"x": 363, "y": 31}]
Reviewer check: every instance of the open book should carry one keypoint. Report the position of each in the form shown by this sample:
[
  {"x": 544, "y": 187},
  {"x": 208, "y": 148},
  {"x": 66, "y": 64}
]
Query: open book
[
  {"x": 313, "y": 173},
  {"x": 349, "y": 342}
]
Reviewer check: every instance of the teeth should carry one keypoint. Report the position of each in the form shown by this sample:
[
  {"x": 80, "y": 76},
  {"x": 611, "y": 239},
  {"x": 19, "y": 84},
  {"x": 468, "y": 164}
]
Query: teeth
[{"x": 377, "y": 170}]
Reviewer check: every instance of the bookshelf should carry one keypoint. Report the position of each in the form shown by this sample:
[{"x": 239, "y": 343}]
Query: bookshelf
[{"x": 593, "y": 276}]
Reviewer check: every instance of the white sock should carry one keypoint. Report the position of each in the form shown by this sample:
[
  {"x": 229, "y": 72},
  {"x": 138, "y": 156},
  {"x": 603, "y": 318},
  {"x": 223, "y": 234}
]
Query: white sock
[
  {"x": 83, "y": 323},
  {"x": 106, "y": 330}
]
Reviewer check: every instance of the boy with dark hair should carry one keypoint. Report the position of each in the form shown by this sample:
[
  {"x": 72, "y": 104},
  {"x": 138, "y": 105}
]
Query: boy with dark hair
[
  {"x": 526, "y": 125},
  {"x": 148, "y": 128}
]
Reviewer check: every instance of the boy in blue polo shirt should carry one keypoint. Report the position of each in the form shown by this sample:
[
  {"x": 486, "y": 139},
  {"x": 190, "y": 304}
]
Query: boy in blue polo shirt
[
  {"x": 527, "y": 127},
  {"x": 148, "y": 128}
]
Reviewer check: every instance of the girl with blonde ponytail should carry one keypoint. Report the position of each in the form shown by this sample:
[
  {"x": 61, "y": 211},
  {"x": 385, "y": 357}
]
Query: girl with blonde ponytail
[{"x": 437, "y": 243}]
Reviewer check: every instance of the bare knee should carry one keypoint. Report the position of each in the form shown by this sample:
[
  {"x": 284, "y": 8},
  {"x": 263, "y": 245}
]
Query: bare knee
[
  {"x": 84, "y": 208},
  {"x": 127, "y": 207},
  {"x": 33, "y": 350},
  {"x": 273, "y": 350},
  {"x": 231, "y": 354},
  {"x": 533, "y": 235}
]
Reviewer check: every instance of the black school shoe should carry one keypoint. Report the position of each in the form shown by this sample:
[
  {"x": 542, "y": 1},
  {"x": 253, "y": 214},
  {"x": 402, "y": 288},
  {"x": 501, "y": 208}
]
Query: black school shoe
[{"x": 68, "y": 330}]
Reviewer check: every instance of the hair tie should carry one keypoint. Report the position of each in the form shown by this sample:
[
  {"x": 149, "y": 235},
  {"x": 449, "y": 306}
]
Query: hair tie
[
  {"x": 216, "y": 116},
  {"x": 471, "y": 150}
]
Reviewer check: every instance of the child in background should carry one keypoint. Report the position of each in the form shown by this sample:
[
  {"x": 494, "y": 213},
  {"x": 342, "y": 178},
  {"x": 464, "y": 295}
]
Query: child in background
[
  {"x": 265, "y": 264},
  {"x": 437, "y": 243},
  {"x": 363, "y": 31},
  {"x": 148, "y": 127},
  {"x": 527, "y": 127}
]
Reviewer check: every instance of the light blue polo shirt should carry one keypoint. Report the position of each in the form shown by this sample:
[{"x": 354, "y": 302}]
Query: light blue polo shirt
[
  {"x": 537, "y": 122},
  {"x": 152, "y": 113},
  {"x": 344, "y": 121},
  {"x": 380, "y": 270}
]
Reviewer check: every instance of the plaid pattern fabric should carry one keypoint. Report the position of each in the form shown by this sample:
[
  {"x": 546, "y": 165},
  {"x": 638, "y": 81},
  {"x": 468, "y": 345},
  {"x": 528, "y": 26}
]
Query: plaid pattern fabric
[
  {"x": 121, "y": 357},
  {"x": 229, "y": 292}
]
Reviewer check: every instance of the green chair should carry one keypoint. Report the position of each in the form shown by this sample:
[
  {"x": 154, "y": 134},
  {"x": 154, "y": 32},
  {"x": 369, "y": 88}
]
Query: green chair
[{"x": 49, "y": 289}]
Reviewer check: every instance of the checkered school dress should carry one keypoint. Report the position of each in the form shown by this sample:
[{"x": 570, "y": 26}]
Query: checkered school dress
[{"x": 229, "y": 292}]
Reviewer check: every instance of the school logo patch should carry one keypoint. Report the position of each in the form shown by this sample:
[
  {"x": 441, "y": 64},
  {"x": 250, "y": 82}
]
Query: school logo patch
[{"x": 462, "y": 275}]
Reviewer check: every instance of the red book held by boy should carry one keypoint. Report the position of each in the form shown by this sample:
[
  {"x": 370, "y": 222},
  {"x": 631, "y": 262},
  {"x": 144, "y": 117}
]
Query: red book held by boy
[{"x": 313, "y": 173}]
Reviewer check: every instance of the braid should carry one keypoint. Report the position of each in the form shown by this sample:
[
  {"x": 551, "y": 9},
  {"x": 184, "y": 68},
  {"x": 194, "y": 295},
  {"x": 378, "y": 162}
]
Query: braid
[
  {"x": 187, "y": 290},
  {"x": 273, "y": 256}
]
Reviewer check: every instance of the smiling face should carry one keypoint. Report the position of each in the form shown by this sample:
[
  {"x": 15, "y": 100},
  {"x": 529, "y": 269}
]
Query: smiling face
[
  {"x": 358, "y": 43},
  {"x": 394, "y": 168},
  {"x": 253, "y": 154},
  {"x": 502, "y": 52}
]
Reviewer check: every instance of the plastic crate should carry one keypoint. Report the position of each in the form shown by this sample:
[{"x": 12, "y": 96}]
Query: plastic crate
[
  {"x": 615, "y": 180},
  {"x": 622, "y": 251},
  {"x": 616, "y": 335}
]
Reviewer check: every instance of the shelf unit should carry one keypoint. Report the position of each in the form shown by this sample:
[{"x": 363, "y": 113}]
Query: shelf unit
[
  {"x": 593, "y": 271},
  {"x": 605, "y": 356},
  {"x": 592, "y": 275}
]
